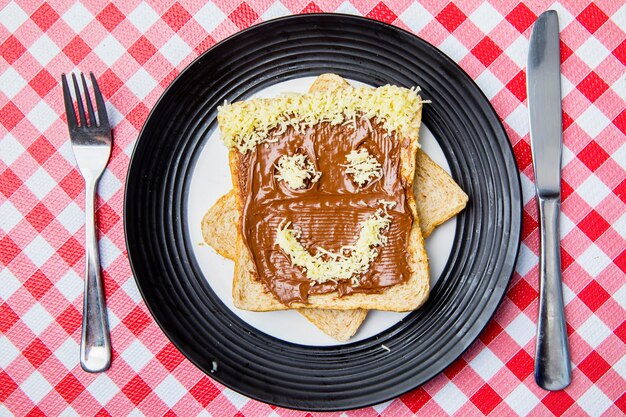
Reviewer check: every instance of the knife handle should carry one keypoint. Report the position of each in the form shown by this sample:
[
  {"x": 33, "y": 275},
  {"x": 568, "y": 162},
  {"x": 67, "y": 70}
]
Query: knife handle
[{"x": 552, "y": 360}]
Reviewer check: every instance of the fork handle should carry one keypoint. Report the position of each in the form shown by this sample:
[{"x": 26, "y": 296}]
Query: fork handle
[
  {"x": 95, "y": 344},
  {"x": 552, "y": 359}
]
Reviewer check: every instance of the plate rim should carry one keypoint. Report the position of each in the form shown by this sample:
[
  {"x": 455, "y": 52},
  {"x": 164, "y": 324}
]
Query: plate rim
[{"x": 367, "y": 21}]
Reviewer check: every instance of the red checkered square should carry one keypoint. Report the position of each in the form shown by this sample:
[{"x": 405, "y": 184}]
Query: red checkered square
[
  {"x": 44, "y": 17},
  {"x": 37, "y": 352},
  {"x": 136, "y": 390},
  {"x": 39, "y": 217},
  {"x": 10, "y": 115},
  {"x": 521, "y": 17},
  {"x": 243, "y": 16},
  {"x": 593, "y": 225},
  {"x": 43, "y": 83},
  {"x": 558, "y": 402},
  {"x": 110, "y": 17},
  {"x": 70, "y": 319},
  {"x": 593, "y": 156},
  {"x": 523, "y": 154},
  {"x": 38, "y": 284},
  {"x": 594, "y": 366},
  {"x": 11, "y": 49},
  {"x": 142, "y": 50},
  {"x": 517, "y": 86},
  {"x": 71, "y": 251},
  {"x": 69, "y": 388},
  {"x": 8, "y": 250},
  {"x": 204, "y": 391},
  {"x": 486, "y": 51},
  {"x": 593, "y": 295},
  {"x": 7, "y": 386},
  {"x": 451, "y": 17},
  {"x": 416, "y": 399},
  {"x": 311, "y": 8},
  {"x": 592, "y": 86},
  {"x": 486, "y": 399},
  {"x": 176, "y": 17},
  {"x": 592, "y": 18},
  {"x": 170, "y": 357},
  {"x": 76, "y": 50},
  {"x": 136, "y": 321},
  {"x": 7, "y": 317},
  {"x": 383, "y": 13},
  {"x": 522, "y": 294}
]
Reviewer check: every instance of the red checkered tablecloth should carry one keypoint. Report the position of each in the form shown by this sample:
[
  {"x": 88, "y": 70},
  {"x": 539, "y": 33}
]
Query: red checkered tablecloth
[{"x": 136, "y": 48}]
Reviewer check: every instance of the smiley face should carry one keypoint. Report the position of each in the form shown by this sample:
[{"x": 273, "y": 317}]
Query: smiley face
[{"x": 325, "y": 210}]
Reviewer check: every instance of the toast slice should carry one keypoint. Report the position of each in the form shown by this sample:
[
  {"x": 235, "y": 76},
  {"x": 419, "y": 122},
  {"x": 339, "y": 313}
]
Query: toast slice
[{"x": 250, "y": 294}]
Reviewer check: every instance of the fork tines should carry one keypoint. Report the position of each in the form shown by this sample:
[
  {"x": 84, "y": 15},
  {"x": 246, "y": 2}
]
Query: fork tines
[{"x": 102, "y": 122}]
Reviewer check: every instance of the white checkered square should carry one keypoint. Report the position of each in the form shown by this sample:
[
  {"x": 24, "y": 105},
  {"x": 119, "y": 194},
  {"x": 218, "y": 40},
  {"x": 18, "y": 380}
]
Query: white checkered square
[
  {"x": 489, "y": 83},
  {"x": 592, "y": 121},
  {"x": 593, "y": 190},
  {"x": 594, "y": 402},
  {"x": 39, "y": 251},
  {"x": 44, "y": 50},
  {"x": 72, "y": 217},
  {"x": 526, "y": 260},
  {"x": 485, "y": 17},
  {"x": 11, "y": 83},
  {"x": 521, "y": 329},
  {"x": 130, "y": 288},
  {"x": 619, "y": 17},
  {"x": 170, "y": 391},
  {"x": 175, "y": 50},
  {"x": 37, "y": 319},
  {"x": 9, "y": 285},
  {"x": 518, "y": 51},
  {"x": 381, "y": 407},
  {"x": 619, "y": 156},
  {"x": 141, "y": 83},
  {"x": 35, "y": 387},
  {"x": 593, "y": 260},
  {"x": 69, "y": 412},
  {"x": 486, "y": 364},
  {"x": 416, "y": 17},
  {"x": 68, "y": 353},
  {"x": 143, "y": 17},
  {"x": 566, "y": 86},
  {"x": 10, "y": 149},
  {"x": 620, "y": 296},
  {"x": 565, "y": 225},
  {"x": 453, "y": 48},
  {"x": 567, "y": 155},
  {"x": 70, "y": 285},
  {"x": 235, "y": 398},
  {"x": 210, "y": 16},
  {"x": 9, "y": 352},
  {"x": 9, "y": 216},
  {"x": 450, "y": 398},
  {"x": 77, "y": 17},
  {"x": 42, "y": 116},
  {"x": 522, "y": 400},
  {"x": 565, "y": 17},
  {"x": 620, "y": 367},
  {"x": 103, "y": 389},
  {"x": 12, "y": 16},
  {"x": 528, "y": 189},
  {"x": 108, "y": 251},
  {"x": 592, "y": 52},
  {"x": 593, "y": 331},
  {"x": 109, "y": 50},
  {"x": 137, "y": 355},
  {"x": 518, "y": 120},
  {"x": 347, "y": 8}
]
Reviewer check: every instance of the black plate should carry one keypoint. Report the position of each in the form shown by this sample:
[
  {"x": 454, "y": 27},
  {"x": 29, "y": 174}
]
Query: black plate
[{"x": 336, "y": 377}]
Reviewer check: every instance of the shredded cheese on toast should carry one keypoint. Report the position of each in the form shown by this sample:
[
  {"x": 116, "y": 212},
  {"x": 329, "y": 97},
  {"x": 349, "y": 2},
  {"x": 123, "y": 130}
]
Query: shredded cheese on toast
[
  {"x": 246, "y": 124},
  {"x": 295, "y": 170},
  {"x": 363, "y": 167}
]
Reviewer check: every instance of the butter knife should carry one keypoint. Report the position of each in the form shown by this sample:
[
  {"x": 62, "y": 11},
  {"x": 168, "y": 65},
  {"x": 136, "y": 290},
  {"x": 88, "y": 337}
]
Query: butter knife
[{"x": 552, "y": 359}]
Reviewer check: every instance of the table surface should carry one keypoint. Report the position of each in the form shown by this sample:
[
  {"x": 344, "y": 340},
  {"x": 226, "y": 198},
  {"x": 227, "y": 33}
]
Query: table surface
[{"x": 137, "y": 48}]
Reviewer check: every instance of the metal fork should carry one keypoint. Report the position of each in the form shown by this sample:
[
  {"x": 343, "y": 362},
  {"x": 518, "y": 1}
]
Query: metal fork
[{"x": 91, "y": 142}]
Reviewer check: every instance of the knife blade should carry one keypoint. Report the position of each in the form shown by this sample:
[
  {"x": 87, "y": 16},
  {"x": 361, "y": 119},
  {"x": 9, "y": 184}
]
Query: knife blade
[{"x": 552, "y": 359}]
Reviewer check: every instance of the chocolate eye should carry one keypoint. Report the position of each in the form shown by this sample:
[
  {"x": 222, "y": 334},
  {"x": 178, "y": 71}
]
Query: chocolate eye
[
  {"x": 363, "y": 167},
  {"x": 297, "y": 171}
]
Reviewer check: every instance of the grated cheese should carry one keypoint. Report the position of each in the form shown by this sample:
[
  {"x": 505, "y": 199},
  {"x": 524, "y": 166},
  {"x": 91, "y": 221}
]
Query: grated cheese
[
  {"x": 348, "y": 262},
  {"x": 246, "y": 124},
  {"x": 295, "y": 170},
  {"x": 363, "y": 167}
]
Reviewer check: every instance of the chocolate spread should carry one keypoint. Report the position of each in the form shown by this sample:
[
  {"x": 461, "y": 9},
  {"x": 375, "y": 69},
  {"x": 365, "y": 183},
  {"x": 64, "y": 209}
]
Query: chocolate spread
[{"x": 327, "y": 212}]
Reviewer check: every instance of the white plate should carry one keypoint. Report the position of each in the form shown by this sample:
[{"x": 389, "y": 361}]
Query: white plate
[{"x": 211, "y": 179}]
